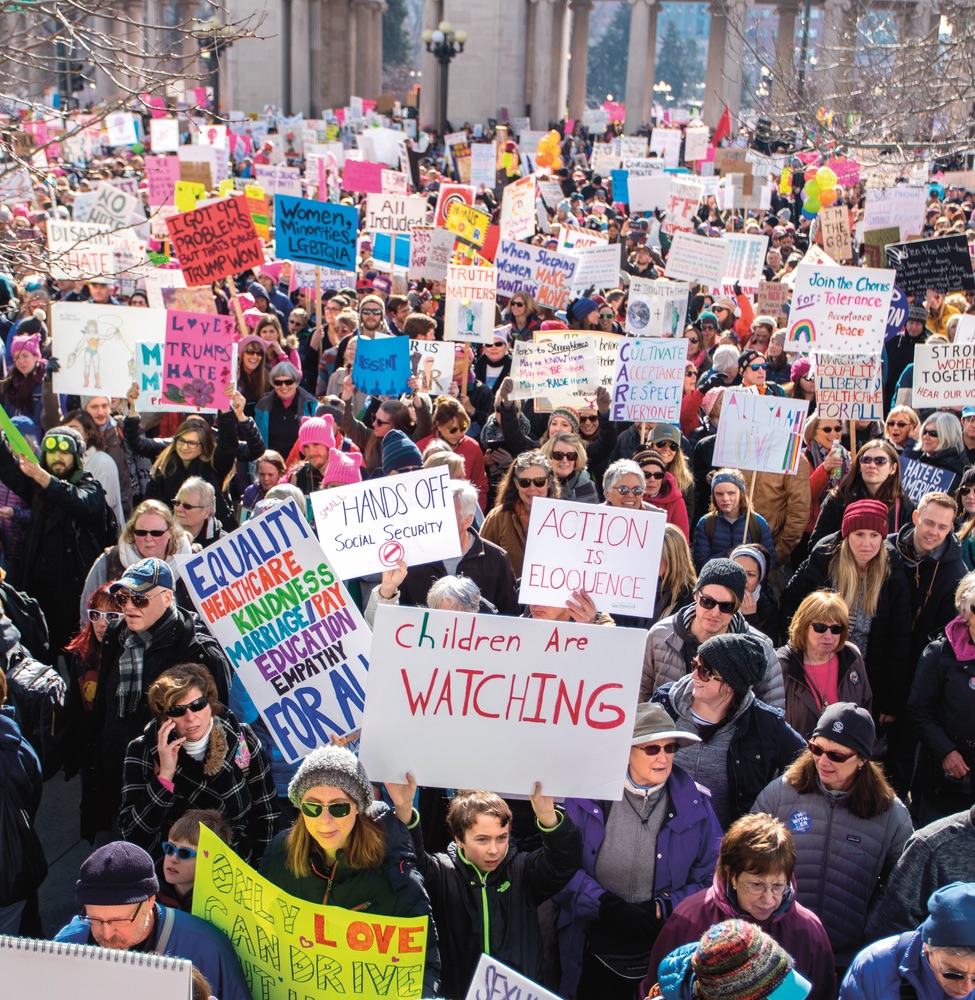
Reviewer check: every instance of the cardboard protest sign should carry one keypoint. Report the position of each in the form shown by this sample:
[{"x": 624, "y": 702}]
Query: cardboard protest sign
[
  {"x": 315, "y": 232},
  {"x": 896, "y": 206},
  {"x": 646, "y": 194},
  {"x": 697, "y": 258},
  {"x": 918, "y": 479},
  {"x": 79, "y": 250},
  {"x": 518, "y": 209},
  {"x": 494, "y": 979},
  {"x": 849, "y": 388},
  {"x": 432, "y": 365},
  {"x": 389, "y": 214},
  {"x": 278, "y": 178},
  {"x": 271, "y": 599},
  {"x": 555, "y": 368},
  {"x": 839, "y": 310},
  {"x": 446, "y": 679},
  {"x": 551, "y": 192},
  {"x": 468, "y": 223},
  {"x": 656, "y": 308},
  {"x": 944, "y": 375},
  {"x": 382, "y": 366},
  {"x": 649, "y": 379},
  {"x": 469, "y": 304},
  {"x": 874, "y": 243},
  {"x": 199, "y": 359},
  {"x": 96, "y": 345},
  {"x": 612, "y": 553},
  {"x": 943, "y": 264},
  {"x": 772, "y": 296},
  {"x": 448, "y": 195},
  {"x": 215, "y": 241},
  {"x": 430, "y": 252},
  {"x": 288, "y": 947},
  {"x": 682, "y": 200},
  {"x": 368, "y": 527},
  {"x": 598, "y": 267},
  {"x": 600, "y": 372},
  {"x": 745, "y": 260},
  {"x": 162, "y": 175},
  {"x": 543, "y": 274},
  {"x": 834, "y": 224},
  {"x": 763, "y": 433}
]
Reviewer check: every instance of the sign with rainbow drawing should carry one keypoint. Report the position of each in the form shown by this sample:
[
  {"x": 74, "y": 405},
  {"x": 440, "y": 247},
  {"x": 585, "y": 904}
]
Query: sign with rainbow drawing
[
  {"x": 839, "y": 310},
  {"x": 763, "y": 433}
]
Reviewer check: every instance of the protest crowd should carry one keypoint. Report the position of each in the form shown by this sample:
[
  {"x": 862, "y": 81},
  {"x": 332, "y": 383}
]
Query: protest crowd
[{"x": 319, "y": 441}]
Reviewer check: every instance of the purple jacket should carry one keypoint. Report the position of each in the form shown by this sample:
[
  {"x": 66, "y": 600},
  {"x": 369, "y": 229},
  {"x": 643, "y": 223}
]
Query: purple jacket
[
  {"x": 797, "y": 929},
  {"x": 687, "y": 850}
]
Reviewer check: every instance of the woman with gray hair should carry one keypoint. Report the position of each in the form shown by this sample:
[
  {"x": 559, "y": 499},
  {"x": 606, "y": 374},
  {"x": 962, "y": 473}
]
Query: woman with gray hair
[
  {"x": 449, "y": 593},
  {"x": 624, "y": 485},
  {"x": 194, "y": 506},
  {"x": 941, "y": 443},
  {"x": 278, "y": 414},
  {"x": 941, "y": 708}
]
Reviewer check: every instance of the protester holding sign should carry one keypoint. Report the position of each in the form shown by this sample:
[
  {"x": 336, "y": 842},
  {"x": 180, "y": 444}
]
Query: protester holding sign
[
  {"x": 450, "y": 425},
  {"x": 278, "y": 414},
  {"x": 941, "y": 444},
  {"x": 347, "y": 850}
]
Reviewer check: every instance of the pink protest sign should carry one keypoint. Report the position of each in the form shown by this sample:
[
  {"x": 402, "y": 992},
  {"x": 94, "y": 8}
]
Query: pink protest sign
[
  {"x": 198, "y": 359},
  {"x": 847, "y": 172},
  {"x": 162, "y": 174},
  {"x": 362, "y": 177}
]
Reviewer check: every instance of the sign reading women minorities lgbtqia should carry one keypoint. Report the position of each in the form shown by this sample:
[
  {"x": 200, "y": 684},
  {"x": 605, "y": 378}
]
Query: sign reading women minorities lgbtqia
[
  {"x": 464, "y": 701},
  {"x": 270, "y": 598}
]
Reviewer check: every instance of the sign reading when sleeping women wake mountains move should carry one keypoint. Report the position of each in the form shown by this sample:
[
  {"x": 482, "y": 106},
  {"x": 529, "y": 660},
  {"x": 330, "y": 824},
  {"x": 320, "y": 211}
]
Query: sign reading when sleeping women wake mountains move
[
  {"x": 443, "y": 679},
  {"x": 270, "y": 598}
]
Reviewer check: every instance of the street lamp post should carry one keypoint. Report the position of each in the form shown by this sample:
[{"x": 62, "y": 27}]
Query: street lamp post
[
  {"x": 214, "y": 38},
  {"x": 444, "y": 43}
]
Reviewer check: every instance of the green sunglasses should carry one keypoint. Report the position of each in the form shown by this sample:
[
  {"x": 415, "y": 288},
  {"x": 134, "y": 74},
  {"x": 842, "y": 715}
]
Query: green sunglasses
[{"x": 337, "y": 810}]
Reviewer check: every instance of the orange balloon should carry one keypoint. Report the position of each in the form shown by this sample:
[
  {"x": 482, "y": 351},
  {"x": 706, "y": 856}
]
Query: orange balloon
[
  {"x": 543, "y": 158},
  {"x": 557, "y": 163},
  {"x": 828, "y": 195}
]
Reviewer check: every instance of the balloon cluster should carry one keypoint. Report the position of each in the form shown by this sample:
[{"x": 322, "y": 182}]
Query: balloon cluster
[
  {"x": 549, "y": 152},
  {"x": 819, "y": 192}
]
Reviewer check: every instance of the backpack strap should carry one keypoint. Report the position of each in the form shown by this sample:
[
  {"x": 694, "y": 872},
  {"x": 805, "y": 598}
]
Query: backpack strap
[{"x": 166, "y": 931}]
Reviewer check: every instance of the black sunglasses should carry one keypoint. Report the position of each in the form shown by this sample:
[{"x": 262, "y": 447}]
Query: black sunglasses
[
  {"x": 665, "y": 444},
  {"x": 965, "y": 490},
  {"x": 282, "y": 381},
  {"x": 183, "y": 853},
  {"x": 821, "y": 628},
  {"x": 338, "y": 810},
  {"x": 538, "y": 481},
  {"x": 138, "y": 600},
  {"x": 657, "y": 476},
  {"x": 929, "y": 432},
  {"x": 197, "y": 705},
  {"x": 833, "y": 755},
  {"x": 874, "y": 460},
  {"x": 652, "y": 751},
  {"x": 154, "y": 532},
  {"x": 567, "y": 456},
  {"x": 709, "y": 604}
]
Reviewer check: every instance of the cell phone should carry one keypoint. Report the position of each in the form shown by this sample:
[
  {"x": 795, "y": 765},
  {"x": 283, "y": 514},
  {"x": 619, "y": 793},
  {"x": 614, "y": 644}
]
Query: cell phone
[{"x": 173, "y": 735}]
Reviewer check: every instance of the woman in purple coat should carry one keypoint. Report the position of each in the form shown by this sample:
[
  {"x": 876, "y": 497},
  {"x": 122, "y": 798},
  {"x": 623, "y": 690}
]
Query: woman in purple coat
[{"x": 753, "y": 881}]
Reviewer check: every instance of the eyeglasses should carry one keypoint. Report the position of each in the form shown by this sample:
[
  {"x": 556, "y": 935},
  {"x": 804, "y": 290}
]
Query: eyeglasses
[
  {"x": 197, "y": 705},
  {"x": 538, "y": 481},
  {"x": 282, "y": 381},
  {"x": 451, "y": 430},
  {"x": 837, "y": 758},
  {"x": 519, "y": 304},
  {"x": 898, "y": 423},
  {"x": 154, "y": 532},
  {"x": 874, "y": 460},
  {"x": 95, "y": 616},
  {"x": 589, "y": 418},
  {"x": 114, "y": 921},
  {"x": 187, "y": 506},
  {"x": 187, "y": 443},
  {"x": 57, "y": 444},
  {"x": 665, "y": 444},
  {"x": 777, "y": 889},
  {"x": 657, "y": 475},
  {"x": 337, "y": 810},
  {"x": 625, "y": 491},
  {"x": 830, "y": 430},
  {"x": 122, "y": 598},
  {"x": 565, "y": 456},
  {"x": 821, "y": 628},
  {"x": 709, "y": 604},
  {"x": 654, "y": 749},
  {"x": 807, "y": 378},
  {"x": 705, "y": 672},
  {"x": 929, "y": 432},
  {"x": 370, "y": 312},
  {"x": 183, "y": 853},
  {"x": 758, "y": 367},
  {"x": 951, "y": 975}
]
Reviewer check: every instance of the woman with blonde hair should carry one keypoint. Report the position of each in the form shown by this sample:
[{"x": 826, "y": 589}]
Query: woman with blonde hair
[
  {"x": 677, "y": 579},
  {"x": 568, "y": 456},
  {"x": 523, "y": 315},
  {"x": 868, "y": 574},
  {"x": 903, "y": 428},
  {"x": 450, "y": 424},
  {"x": 345, "y": 849}
]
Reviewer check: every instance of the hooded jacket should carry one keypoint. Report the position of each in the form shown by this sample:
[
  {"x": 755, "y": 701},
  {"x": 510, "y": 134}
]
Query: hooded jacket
[
  {"x": 784, "y": 502},
  {"x": 672, "y": 501},
  {"x": 667, "y": 656},
  {"x": 21, "y": 783},
  {"x": 880, "y": 971}
]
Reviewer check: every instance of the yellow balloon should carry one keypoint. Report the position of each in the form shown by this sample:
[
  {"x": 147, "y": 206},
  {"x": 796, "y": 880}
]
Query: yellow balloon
[{"x": 826, "y": 178}]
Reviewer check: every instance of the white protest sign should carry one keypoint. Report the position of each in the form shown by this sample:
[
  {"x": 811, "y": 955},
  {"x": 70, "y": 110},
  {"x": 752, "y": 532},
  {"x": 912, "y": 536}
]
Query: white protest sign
[
  {"x": 763, "y": 433},
  {"x": 268, "y": 595},
  {"x": 839, "y": 310},
  {"x": 386, "y": 213},
  {"x": 598, "y": 267},
  {"x": 278, "y": 178},
  {"x": 430, "y": 251},
  {"x": 610, "y": 552},
  {"x": 79, "y": 250},
  {"x": 649, "y": 193},
  {"x": 896, "y": 206},
  {"x": 329, "y": 278},
  {"x": 159, "y": 278},
  {"x": 558, "y": 369},
  {"x": 551, "y": 192},
  {"x": 369, "y": 527},
  {"x": 746, "y": 258},
  {"x": 120, "y": 126},
  {"x": 964, "y": 331},
  {"x": 112, "y": 207},
  {"x": 834, "y": 224},
  {"x": 944, "y": 375},
  {"x": 695, "y": 143},
  {"x": 849, "y": 388},
  {"x": 682, "y": 201},
  {"x": 442, "y": 679},
  {"x": 494, "y": 979},
  {"x": 96, "y": 345},
  {"x": 697, "y": 258},
  {"x": 649, "y": 379},
  {"x": 394, "y": 182},
  {"x": 604, "y": 159},
  {"x": 432, "y": 363},
  {"x": 164, "y": 135},
  {"x": 643, "y": 167},
  {"x": 484, "y": 159},
  {"x": 583, "y": 396},
  {"x": 469, "y": 304},
  {"x": 656, "y": 308},
  {"x": 546, "y": 276},
  {"x": 517, "y": 221},
  {"x": 665, "y": 142}
]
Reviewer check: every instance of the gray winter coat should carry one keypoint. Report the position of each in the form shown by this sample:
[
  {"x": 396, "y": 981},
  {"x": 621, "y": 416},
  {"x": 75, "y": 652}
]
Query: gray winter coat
[
  {"x": 842, "y": 861},
  {"x": 664, "y": 659}
]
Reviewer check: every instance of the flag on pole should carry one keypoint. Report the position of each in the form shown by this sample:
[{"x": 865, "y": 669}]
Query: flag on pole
[{"x": 723, "y": 129}]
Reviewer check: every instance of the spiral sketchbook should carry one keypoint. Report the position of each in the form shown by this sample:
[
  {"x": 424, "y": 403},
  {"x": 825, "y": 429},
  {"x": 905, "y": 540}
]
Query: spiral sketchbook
[{"x": 30, "y": 967}]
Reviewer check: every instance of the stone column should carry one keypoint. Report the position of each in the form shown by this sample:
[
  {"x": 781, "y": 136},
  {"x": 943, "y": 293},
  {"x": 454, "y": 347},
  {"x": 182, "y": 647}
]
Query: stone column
[
  {"x": 734, "y": 50},
  {"x": 837, "y": 47},
  {"x": 558, "y": 88},
  {"x": 637, "y": 83},
  {"x": 651, "y": 61},
  {"x": 578, "y": 64},
  {"x": 713, "y": 90},
  {"x": 542, "y": 64},
  {"x": 430, "y": 69},
  {"x": 133, "y": 45},
  {"x": 783, "y": 72}
]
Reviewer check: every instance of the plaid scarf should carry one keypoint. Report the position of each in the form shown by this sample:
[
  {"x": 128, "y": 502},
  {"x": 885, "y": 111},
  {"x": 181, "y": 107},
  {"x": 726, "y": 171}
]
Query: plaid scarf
[{"x": 131, "y": 662}]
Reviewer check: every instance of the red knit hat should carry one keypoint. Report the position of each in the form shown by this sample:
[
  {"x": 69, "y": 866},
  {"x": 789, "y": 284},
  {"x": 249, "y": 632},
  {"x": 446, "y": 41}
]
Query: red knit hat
[{"x": 866, "y": 515}]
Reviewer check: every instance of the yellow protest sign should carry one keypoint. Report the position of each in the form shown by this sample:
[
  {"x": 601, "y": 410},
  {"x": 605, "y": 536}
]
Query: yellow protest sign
[
  {"x": 290, "y": 949},
  {"x": 253, "y": 191},
  {"x": 187, "y": 193},
  {"x": 226, "y": 187},
  {"x": 468, "y": 223}
]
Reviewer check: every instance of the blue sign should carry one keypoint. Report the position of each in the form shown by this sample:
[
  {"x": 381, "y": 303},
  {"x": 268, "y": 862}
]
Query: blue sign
[
  {"x": 382, "y": 366},
  {"x": 315, "y": 232},
  {"x": 621, "y": 186},
  {"x": 918, "y": 479},
  {"x": 382, "y": 248},
  {"x": 897, "y": 314}
]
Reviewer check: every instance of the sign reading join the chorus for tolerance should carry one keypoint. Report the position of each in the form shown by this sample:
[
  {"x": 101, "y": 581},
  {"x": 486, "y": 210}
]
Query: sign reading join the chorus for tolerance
[
  {"x": 289, "y": 948},
  {"x": 287, "y": 625},
  {"x": 440, "y": 679}
]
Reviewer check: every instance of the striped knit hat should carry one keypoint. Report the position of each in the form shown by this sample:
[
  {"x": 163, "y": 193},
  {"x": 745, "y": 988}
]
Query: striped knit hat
[{"x": 736, "y": 960}]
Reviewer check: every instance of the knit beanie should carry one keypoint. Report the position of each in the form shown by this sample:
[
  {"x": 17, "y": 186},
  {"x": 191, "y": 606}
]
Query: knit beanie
[
  {"x": 739, "y": 657},
  {"x": 801, "y": 366},
  {"x": 737, "y": 960},
  {"x": 649, "y": 456},
  {"x": 747, "y": 357},
  {"x": 850, "y": 726},
  {"x": 951, "y": 920},
  {"x": 567, "y": 413},
  {"x": 335, "y": 767},
  {"x": 707, "y": 316},
  {"x": 115, "y": 875},
  {"x": 866, "y": 515},
  {"x": 580, "y": 309},
  {"x": 723, "y": 573},
  {"x": 257, "y": 291},
  {"x": 31, "y": 344},
  {"x": 732, "y": 476},
  {"x": 400, "y": 454},
  {"x": 918, "y": 312},
  {"x": 317, "y": 430},
  {"x": 343, "y": 467}
]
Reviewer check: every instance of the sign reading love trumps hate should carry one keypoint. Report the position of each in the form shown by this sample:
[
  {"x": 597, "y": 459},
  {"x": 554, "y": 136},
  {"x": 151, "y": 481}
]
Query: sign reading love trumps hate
[
  {"x": 315, "y": 232},
  {"x": 444, "y": 679},
  {"x": 288, "y": 947},
  {"x": 215, "y": 241},
  {"x": 198, "y": 359},
  {"x": 369, "y": 527},
  {"x": 269, "y": 596}
]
